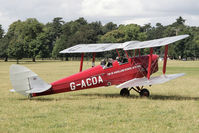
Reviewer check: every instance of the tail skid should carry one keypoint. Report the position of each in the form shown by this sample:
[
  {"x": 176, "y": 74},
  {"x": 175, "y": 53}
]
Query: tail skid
[{"x": 26, "y": 82}]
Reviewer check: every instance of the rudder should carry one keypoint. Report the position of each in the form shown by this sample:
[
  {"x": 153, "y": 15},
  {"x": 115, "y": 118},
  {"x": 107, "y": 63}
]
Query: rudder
[{"x": 24, "y": 81}]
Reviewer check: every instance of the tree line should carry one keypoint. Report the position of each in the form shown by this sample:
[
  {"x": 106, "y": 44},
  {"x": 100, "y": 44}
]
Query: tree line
[{"x": 33, "y": 39}]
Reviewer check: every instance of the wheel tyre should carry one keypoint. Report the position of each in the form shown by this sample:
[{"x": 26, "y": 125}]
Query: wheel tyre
[
  {"x": 144, "y": 93},
  {"x": 124, "y": 92}
]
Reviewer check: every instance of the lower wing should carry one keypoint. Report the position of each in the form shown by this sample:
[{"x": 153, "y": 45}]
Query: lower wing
[{"x": 153, "y": 80}]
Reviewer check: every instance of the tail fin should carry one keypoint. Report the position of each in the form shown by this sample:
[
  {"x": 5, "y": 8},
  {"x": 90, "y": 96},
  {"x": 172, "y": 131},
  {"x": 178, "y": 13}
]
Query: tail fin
[{"x": 25, "y": 82}]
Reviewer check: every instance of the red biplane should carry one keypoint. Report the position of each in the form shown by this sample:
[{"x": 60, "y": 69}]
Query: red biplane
[{"x": 126, "y": 72}]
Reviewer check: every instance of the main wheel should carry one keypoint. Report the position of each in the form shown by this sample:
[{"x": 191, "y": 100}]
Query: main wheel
[
  {"x": 144, "y": 93},
  {"x": 124, "y": 92}
]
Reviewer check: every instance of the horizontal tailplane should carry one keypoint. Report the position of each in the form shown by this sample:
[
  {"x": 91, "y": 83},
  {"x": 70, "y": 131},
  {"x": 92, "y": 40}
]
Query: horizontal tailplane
[
  {"x": 153, "y": 80},
  {"x": 25, "y": 82}
]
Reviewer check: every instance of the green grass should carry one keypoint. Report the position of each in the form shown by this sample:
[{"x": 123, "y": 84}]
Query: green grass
[{"x": 173, "y": 107}]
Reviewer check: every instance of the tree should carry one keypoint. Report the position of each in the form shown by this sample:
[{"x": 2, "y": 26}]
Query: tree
[
  {"x": 191, "y": 46},
  {"x": 124, "y": 33},
  {"x": 30, "y": 31},
  {"x": 53, "y": 31},
  {"x": 44, "y": 44},
  {"x": 40, "y": 47},
  {"x": 76, "y": 32},
  {"x": 177, "y": 50},
  {"x": 155, "y": 32},
  {"x": 97, "y": 29},
  {"x": 60, "y": 44},
  {"x": 3, "y": 45},
  {"x": 109, "y": 27},
  {"x": 12, "y": 36},
  {"x": 24, "y": 33},
  {"x": 179, "y": 21},
  {"x": 146, "y": 27},
  {"x": 81, "y": 21},
  {"x": 57, "y": 26},
  {"x": 44, "y": 41},
  {"x": 1, "y": 32},
  {"x": 31, "y": 28},
  {"x": 16, "y": 50},
  {"x": 14, "y": 30},
  {"x": 113, "y": 37},
  {"x": 4, "y": 48}
]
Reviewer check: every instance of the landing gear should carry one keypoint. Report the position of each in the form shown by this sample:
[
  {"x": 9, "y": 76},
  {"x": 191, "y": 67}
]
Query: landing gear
[
  {"x": 125, "y": 92},
  {"x": 29, "y": 96},
  {"x": 142, "y": 91}
]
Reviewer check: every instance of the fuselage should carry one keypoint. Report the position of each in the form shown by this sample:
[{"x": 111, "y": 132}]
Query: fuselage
[{"x": 100, "y": 75}]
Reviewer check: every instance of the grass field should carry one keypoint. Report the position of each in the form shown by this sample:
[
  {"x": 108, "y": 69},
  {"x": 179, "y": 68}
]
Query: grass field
[{"x": 173, "y": 107}]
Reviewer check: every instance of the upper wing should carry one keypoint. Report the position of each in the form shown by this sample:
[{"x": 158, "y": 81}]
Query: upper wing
[
  {"x": 154, "y": 43},
  {"x": 153, "y": 80},
  {"x": 101, "y": 47},
  {"x": 89, "y": 48}
]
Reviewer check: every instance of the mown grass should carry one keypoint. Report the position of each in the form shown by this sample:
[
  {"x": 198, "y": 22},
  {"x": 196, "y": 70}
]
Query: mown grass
[{"x": 172, "y": 107}]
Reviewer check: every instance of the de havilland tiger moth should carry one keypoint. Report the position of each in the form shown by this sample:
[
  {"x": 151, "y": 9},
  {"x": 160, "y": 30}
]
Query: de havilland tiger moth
[{"x": 127, "y": 73}]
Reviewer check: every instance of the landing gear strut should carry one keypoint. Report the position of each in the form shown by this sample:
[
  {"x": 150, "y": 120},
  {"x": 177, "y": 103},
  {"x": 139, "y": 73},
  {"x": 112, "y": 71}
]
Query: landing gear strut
[
  {"x": 142, "y": 91},
  {"x": 30, "y": 96}
]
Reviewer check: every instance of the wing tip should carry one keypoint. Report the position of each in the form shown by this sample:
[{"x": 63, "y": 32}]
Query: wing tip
[{"x": 185, "y": 35}]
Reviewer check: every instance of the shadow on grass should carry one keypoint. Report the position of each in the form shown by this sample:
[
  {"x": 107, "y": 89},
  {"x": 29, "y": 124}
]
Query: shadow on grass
[
  {"x": 97, "y": 96},
  {"x": 152, "y": 97},
  {"x": 42, "y": 99},
  {"x": 112, "y": 95},
  {"x": 172, "y": 97},
  {"x": 48, "y": 99}
]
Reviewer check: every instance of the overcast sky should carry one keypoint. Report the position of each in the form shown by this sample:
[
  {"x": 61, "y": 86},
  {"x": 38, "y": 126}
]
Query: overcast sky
[{"x": 118, "y": 11}]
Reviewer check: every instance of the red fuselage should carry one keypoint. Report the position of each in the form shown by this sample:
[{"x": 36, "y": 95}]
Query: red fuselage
[{"x": 98, "y": 76}]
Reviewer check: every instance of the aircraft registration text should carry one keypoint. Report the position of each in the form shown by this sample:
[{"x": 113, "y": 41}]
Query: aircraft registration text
[{"x": 87, "y": 82}]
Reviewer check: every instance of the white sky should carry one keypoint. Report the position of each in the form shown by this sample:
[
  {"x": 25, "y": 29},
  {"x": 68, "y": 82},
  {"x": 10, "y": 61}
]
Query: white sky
[{"x": 118, "y": 11}]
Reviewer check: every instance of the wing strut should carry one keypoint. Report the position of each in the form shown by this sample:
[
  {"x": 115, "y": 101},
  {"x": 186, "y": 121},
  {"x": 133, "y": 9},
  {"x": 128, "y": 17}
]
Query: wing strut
[
  {"x": 93, "y": 62},
  {"x": 131, "y": 53},
  {"x": 118, "y": 52},
  {"x": 139, "y": 52},
  {"x": 165, "y": 59},
  {"x": 81, "y": 63},
  {"x": 149, "y": 63},
  {"x": 135, "y": 52},
  {"x": 126, "y": 54}
]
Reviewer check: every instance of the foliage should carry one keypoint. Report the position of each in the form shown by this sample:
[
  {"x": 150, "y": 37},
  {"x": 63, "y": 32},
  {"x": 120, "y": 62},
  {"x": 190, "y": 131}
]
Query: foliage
[
  {"x": 1, "y": 32},
  {"x": 47, "y": 40},
  {"x": 124, "y": 33},
  {"x": 109, "y": 27},
  {"x": 77, "y": 32},
  {"x": 16, "y": 50},
  {"x": 60, "y": 44},
  {"x": 3, "y": 48}
]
